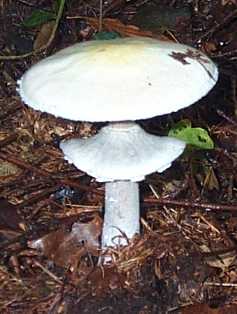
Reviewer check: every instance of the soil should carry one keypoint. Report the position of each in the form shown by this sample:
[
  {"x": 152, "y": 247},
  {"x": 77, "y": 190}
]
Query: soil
[{"x": 184, "y": 260}]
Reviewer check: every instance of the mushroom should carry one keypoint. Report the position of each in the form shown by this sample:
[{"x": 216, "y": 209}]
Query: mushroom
[
  {"x": 121, "y": 154},
  {"x": 119, "y": 80}
]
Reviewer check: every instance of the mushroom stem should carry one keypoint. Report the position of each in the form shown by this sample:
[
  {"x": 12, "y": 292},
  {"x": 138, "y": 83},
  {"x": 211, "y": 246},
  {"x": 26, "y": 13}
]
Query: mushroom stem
[{"x": 121, "y": 218}]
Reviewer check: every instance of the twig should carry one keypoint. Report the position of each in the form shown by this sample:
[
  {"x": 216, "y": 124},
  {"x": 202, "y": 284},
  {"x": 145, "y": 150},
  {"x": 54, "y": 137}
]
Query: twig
[
  {"x": 10, "y": 112},
  {"x": 213, "y": 228},
  {"x": 191, "y": 204},
  {"x": 26, "y": 3},
  {"x": 219, "y": 25},
  {"x": 223, "y": 284},
  {"x": 49, "y": 273},
  {"x": 36, "y": 198},
  {"x": 225, "y": 54},
  {"x": 22, "y": 164},
  {"x": 175, "y": 308},
  {"x": 223, "y": 115},
  {"x": 114, "y": 5},
  {"x": 220, "y": 252},
  {"x": 59, "y": 15},
  {"x": 12, "y": 276},
  {"x": 8, "y": 140},
  {"x": 101, "y": 16}
]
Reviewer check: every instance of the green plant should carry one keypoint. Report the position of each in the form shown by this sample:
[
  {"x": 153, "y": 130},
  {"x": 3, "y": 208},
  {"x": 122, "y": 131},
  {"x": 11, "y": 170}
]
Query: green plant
[
  {"x": 39, "y": 17},
  {"x": 196, "y": 137}
]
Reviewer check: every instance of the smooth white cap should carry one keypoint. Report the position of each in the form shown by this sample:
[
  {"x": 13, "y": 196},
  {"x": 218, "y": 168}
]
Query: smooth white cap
[
  {"x": 124, "y": 152},
  {"x": 118, "y": 79}
]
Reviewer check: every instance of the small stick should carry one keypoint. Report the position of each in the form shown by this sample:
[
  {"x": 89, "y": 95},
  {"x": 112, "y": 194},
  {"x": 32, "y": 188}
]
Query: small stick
[
  {"x": 221, "y": 284},
  {"x": 226, "y": 54},
  {"x": 38, "y": 197},
  {"x": 49, "y": 273},
  {"x": 8, "y": 140},
  {"x": 223, "y": 115},
  {"x": 191, "y": 204},
  {"x": 44, "y": 173},
  {"x": 101, "y": 16},
  {"x": 10, "y": 112},
  {"x": 219, "y": 25}
]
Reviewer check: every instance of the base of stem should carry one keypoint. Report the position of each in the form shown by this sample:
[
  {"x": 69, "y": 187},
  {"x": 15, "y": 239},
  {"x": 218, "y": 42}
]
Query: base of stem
[{"x": 121, "y": 218}]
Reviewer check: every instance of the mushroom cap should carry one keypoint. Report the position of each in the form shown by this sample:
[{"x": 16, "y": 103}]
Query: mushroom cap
[
  {"x": 118, "y": 79},
  {"x": 122, "y": 152}
]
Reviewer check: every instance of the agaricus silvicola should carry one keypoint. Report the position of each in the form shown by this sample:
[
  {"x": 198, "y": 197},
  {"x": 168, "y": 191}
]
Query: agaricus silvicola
[{"x": 119, "y": 80}]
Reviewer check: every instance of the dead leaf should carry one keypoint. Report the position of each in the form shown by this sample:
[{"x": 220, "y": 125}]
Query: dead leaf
[
  {"x": 9, "y": 218},
  {"x": 88, "y": 232},
  {"x": 105, "y": 280},
  {"x": 211, "y": 181},
  {"x": 66, "y": 248},
  {"x": 123, "y": 29},
  {"x": 8, "y": 169},
  {"x": 209, "y": 47},
  {"x": 205, "y": 309},
  {"x": 222, "y": 261},
  {"x": 43, "y": 35}
]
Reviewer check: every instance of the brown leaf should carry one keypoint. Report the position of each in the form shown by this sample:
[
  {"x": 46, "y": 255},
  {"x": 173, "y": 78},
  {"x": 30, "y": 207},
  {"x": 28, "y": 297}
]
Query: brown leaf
[
  {"x": 123, "y": 29},
  {"x": 88, "y": 232},
  {"x": 222, "y": 261},
  {"x": 9, "y": 218},
  {"x": 105, "y": 280},
  {"x": 43, "y": 35},
  {"x": 209, "y": 47},
  {"x": 205, "y": 309},
  {"x": 8, "y": 169},
  {"x": 211, "y": 181},
  {"x": 66, "y": 248}
]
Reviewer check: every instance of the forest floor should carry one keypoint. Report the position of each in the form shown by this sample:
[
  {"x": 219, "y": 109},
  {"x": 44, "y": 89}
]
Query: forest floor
[{"x": 185, "y": 260}]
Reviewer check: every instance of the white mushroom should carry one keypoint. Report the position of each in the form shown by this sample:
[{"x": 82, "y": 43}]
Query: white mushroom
[
  {"x": 122, "y": 154},
  {"x": 119, "y": 80}
]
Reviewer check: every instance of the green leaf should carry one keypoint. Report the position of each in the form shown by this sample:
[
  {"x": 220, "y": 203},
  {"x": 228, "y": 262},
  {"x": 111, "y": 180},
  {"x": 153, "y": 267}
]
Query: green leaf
[
  {"x": 197, "y": 137},
  {"x": 56, "y": 5},
  {"x": 39, "y": 17},
  {"x": 182, "y": 124},
  {"x": 106, "y": 35}
]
